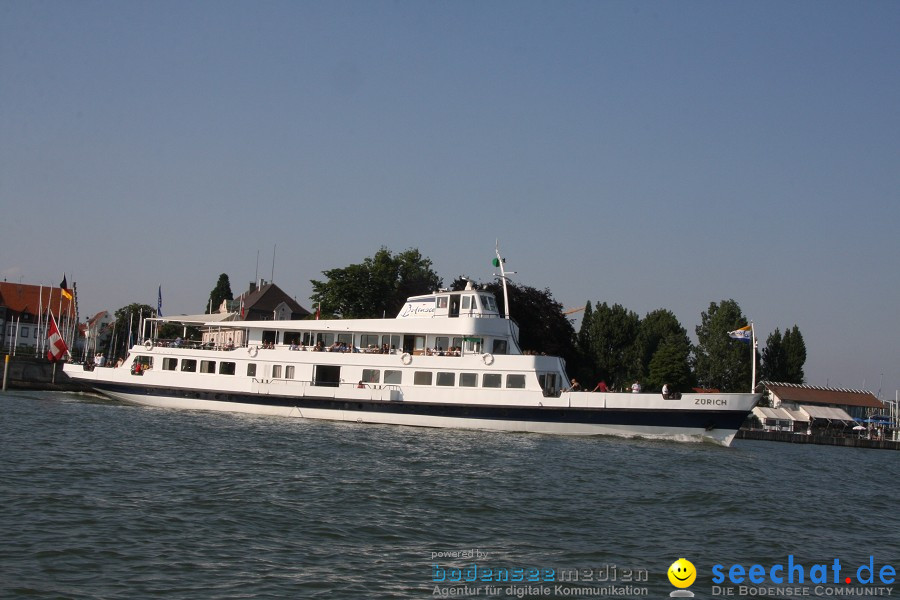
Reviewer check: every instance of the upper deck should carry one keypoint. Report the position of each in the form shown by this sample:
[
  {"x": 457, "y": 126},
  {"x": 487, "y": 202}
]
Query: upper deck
[
  {"x": 443, "y": 304},
  {"x": 467, "y": 319}
]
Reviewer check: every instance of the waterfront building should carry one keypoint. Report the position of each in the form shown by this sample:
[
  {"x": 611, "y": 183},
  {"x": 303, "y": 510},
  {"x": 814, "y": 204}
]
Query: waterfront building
[
  {"x": 23, "y": 317},
  {"x": 263, "y": 302},
  {"x": 803, "y": 408}
]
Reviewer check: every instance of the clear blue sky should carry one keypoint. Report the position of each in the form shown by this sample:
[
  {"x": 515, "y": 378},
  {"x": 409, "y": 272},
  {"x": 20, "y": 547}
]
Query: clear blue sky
[{"x": 654, "y": 154}]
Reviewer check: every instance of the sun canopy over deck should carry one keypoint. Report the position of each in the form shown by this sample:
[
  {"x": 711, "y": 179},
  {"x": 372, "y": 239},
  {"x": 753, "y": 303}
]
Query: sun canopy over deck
[{"x": 198, "y": 320}]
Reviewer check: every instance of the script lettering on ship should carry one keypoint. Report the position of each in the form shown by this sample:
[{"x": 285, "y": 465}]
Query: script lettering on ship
[{"x": 417, "y": 308}]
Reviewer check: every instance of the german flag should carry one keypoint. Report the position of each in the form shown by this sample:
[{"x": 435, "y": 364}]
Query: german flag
[{"x": 63, "y": 286}]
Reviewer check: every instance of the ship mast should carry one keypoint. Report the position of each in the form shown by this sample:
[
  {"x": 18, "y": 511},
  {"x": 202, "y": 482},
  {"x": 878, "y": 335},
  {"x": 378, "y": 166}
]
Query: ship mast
[{"x": 498, "y": 262}]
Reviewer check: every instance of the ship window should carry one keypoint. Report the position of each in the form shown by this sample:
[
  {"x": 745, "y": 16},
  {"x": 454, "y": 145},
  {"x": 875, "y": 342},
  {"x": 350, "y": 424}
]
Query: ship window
[
  {"x": 487, "y": 302},
  {"x": 270, "y": 337},
  {"x": 548, "y": 383},
  {"x": 393, "y": 377},
  {"x": 367, "y": 340},
  {"x": 289, "y": 372},
  {"x": 500, "y": 346},
  {"x": 207, "y": 366},
  {"x": 327, "y": 375},
  {"x": 372, "y": 375},
  {"x": 392, "y": 341},
  {"x": 346, "y": 338},
  {"x": 442, "y": 302},
  {"x": 293, "y": 337},
  {"x": 491, "y": 380},
  {"x": 473, "y": 344},
  {"x": 466, "y": 302},
  {"x": 188, "y": 365},
  {"x": 446, "y": 379},
  {"x": 515, "y": 381},
  {"x": 276, "y": 371},
  {"x": 169, "y": 364},
  {"x": 468, "y": 379},
  {"x": 251, "y": 370},
  {"x": 226, "y": 368},
  {"x": 326, "y": 338},
  {"x": 442, "y": 343},
  {"x": 422, "y": 378}
]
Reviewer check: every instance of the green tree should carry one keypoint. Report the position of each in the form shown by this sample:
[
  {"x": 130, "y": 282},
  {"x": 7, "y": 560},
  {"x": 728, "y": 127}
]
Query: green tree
[
  {"x": 543, "y": 327},
  {"x": 582, "y": 365},
  {"x": 221, "y": 292},
  {"x": 665, "y": 351},
  {"x": 772, "y": 358},
  {"x": 795, "y": 355},
  {"x": 784, "y": 356},
  {"x": 377, "y": 287},
  {"x": 127, "y": 327},
  {"x": 671, "y": 364},
  {"x": 719, "y": 361},
  {"x": 615, "y": 352}
]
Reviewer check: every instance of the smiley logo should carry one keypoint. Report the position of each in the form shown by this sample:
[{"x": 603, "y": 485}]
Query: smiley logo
[{"x": 682, "y": 573}]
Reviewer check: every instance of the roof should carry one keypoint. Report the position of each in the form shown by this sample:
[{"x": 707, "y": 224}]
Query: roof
[
  {"x": 33, "y": 299},
  {"x": 98, "y": 317},
  {"x": 804, "y": 394},
  {"x": 268, "y": 297}
]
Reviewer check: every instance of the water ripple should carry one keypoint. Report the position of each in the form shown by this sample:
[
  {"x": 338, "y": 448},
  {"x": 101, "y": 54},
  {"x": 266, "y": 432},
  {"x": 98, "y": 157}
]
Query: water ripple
[{"x": 103, "y": 500}]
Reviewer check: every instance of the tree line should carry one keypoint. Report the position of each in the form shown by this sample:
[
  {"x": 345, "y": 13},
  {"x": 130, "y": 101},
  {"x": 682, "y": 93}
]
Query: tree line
[{"x": 613, "y": 344}]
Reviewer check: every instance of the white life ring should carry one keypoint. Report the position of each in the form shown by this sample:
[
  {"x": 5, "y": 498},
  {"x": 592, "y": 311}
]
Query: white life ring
[
  {"x": 148, "y": 344},
  {"x": 405, "y": 358},
  {"x": 488, "y": 358},
  {"x": 252, "y": 351}
]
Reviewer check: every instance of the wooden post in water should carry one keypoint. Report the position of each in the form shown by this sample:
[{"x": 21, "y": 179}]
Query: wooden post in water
[
  {"x": 53, "y": 374},
  {"x": 5, "y": 369}
]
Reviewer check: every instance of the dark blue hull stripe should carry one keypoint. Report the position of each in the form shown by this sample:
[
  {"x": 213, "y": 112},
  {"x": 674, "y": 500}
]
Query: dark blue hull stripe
[{"x": 702, "y": 419}]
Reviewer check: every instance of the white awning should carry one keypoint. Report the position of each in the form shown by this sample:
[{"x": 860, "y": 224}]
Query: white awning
[
  {"x": 198, "y": 320},
  {"x": 830, "y": 413},
  {"x": 780, "y": 414},
  {"x": 797, "y": 415}
]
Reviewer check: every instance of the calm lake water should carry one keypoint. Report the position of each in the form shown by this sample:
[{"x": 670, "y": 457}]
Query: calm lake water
[{"x": 103, "y": 500}]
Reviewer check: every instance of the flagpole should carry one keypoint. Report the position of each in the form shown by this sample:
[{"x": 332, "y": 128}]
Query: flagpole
[
  {"x": 14, "y": 341},
  {"x": 753, "y": 356},
  {"x": 71, "y": 325},
  {"x": 39, "y": 347}
]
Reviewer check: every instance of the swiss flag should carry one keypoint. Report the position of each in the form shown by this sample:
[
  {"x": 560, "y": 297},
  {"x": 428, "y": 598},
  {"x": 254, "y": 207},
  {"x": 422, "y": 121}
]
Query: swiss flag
[{"x": 56, "y": 347}]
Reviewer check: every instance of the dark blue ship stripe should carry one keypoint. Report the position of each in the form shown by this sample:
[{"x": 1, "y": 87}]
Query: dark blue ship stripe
[{"x": 702, "y": 419}]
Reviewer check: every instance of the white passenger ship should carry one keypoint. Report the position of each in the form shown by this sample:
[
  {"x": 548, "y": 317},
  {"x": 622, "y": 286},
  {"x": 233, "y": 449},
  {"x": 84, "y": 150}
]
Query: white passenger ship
[{"x": 449, "y": 359}]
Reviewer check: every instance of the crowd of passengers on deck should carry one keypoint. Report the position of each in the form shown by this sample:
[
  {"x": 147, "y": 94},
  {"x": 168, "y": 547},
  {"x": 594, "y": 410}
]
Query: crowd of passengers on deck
[{"x": 318, "y": 347}]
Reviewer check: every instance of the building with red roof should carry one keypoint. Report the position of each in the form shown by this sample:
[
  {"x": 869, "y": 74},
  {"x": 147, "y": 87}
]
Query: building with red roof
[{"x": 24, "y": 310}]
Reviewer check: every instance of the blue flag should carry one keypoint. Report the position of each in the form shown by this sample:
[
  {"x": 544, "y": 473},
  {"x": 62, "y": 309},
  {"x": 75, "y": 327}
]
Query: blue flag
[{"x": 159, "y": 303}]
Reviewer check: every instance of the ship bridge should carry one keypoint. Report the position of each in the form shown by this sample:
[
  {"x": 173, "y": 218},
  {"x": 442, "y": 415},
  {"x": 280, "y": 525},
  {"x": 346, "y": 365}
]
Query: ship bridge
[{"x": 445, "y": 304}]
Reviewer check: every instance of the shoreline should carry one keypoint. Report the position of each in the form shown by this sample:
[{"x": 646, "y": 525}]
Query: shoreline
[{"x": 818, "y": 439}]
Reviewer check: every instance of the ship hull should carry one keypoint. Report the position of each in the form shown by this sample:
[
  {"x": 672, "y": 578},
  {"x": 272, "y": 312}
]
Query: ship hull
[{"x": 382, "y": 406}]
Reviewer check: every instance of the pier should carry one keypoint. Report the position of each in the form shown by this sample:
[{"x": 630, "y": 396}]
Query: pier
[{"x": 826, "y": 440}]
